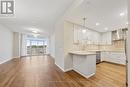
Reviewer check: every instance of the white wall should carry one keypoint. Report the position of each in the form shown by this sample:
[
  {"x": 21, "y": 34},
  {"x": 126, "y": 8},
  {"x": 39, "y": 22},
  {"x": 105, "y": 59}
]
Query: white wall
[
  {"x": 23, "y": 45},
  {"x": 6, "y": 44},
  {"x": 59, "y": 38},
  {"x": 48, "y": 46},
  {"x": 52, "y": 45},
  {"x": 68, "y": 45},
  {"x": 59, "y": 44},
  {"x": 16, "y": 44}
]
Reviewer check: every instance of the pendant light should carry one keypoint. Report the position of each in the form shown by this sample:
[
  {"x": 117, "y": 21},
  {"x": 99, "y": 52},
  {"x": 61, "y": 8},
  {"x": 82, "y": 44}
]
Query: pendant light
[{"x": 84, "y": 30}]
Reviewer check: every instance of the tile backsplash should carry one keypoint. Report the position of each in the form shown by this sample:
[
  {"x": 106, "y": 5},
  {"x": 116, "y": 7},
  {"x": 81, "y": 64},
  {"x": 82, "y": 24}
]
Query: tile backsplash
[
  {"x": 86, "y": 47},
  {"x": 117, "y": 45}
]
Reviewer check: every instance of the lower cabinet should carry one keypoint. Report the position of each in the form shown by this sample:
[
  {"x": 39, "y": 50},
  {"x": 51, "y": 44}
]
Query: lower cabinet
[{"x": 114, "y": 57}]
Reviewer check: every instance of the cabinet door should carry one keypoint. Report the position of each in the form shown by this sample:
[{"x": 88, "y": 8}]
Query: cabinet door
[
  {"x": 114, "y": 57},
  {"x": 96, "y": 37},
  {"x": 106, "y": 38},
  {"x": 104, "y": 56},
  {"x": 76, "y": 36},
  {"x": 89, "y": 36},
  {"x": 117, "y": 57}
]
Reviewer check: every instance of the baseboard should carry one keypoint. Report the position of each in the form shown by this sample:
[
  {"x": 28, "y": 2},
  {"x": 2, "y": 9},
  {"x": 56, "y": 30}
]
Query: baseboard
[
  {"x": 70, "y": 69},
  {"x": 60, "y": 67},
  {"x": 23, "y": 56},
  {"x": 5, "y": 61},
  {"x": 16, "y": 57},
  {"x": 114, "y": 63},
  {"x": 84, "y": 75},
  {"x": 91, "y": 75},
  {"x": 75, "y": 71}
]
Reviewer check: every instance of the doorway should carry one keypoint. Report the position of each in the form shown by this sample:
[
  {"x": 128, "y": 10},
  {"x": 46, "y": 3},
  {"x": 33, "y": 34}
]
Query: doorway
[{"x": 36, "y": 47}]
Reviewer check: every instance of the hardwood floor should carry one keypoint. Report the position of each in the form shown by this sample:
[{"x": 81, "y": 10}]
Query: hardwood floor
[{"x": 42, "y": 72}]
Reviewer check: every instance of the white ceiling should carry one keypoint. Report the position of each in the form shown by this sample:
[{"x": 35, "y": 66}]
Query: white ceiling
[
  {"x": 36, "y": 14},
  {"x": 105, "y": 12}
]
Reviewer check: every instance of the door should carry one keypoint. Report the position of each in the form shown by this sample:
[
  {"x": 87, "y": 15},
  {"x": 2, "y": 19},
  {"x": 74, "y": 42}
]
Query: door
[{"x": 36, "y": 47}]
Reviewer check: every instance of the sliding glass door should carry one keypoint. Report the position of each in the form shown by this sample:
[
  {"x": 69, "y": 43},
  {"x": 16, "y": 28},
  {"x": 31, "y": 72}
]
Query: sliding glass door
[{"x": 36, "y": 47}]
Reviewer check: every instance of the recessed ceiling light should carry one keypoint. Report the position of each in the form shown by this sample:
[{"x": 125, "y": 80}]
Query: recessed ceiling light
[
  {"x": 35, "y": 31},
  {"x": 106, "y": 28},
  {"x": 127, "y": 23},
  {"x": 122, "y": 14},
  {"x": 97, "y": 24},
  {"x": 84, "y": 31}
]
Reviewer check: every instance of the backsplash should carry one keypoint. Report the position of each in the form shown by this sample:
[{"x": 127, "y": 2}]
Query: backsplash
[
  {"x": 117, "y": 45},
  {"x": 86, "y": 47}
]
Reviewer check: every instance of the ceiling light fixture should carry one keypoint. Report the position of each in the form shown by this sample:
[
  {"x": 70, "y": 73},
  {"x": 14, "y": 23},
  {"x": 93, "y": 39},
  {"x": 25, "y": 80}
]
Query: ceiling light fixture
[
  {"x": 97, "y": 24},
  {"x": 35, "y": 31},
  {"x": 127, "y": 23},
  {"x": 122, "y": 14},
  {"x": 84, "y": 30},
  {"x": 106, "y": 28}
]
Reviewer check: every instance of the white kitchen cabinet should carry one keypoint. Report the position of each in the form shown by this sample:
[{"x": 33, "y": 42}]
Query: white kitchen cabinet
[
  {"x": 114, "y": 57},
  {"x": 106, "y": 38},
  {"x": 84, "y": 64},
  {"x": 103, "y": 56},
  {"x": 89, "y": 36},
  {"x": 76, "y": 35},
  {"x": 76, "y": 32}
]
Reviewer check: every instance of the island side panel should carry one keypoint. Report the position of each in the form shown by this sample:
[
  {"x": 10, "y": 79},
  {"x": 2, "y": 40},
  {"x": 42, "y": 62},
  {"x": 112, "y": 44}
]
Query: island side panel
[{"x": 85, "y": 65}]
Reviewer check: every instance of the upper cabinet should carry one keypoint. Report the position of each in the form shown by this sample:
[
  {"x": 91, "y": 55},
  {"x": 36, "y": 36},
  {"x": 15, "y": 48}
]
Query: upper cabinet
[
  {"x": 119, "y": 34},
  {"x": 84, "y": 35},
  {"x": 106, "y": 38}
]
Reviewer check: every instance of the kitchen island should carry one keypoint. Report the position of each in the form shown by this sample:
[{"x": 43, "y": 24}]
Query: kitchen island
[{"x": 84, "y": 63}]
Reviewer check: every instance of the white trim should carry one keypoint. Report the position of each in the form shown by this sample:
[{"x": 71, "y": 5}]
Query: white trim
[
  {"x": 60, "y": 67},
  {"x": 84, "y": 75},
  {"x": 68, "y": 69},
  {"x": 63, "y": 69},
  {"x": 5, "y": 61},
  {"x": 16, "y": 57},
  {"x": 91, "y": 75},
  {"x": 75, "y": 71}
]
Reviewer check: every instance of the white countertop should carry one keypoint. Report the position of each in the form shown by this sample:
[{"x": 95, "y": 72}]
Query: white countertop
[
  {"x": 82, "y": 53},
  {"x": 107, "y": 50}
]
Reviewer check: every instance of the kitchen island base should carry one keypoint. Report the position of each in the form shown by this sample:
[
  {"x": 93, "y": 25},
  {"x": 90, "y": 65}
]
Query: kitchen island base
[{"x": 85, "y": 65}]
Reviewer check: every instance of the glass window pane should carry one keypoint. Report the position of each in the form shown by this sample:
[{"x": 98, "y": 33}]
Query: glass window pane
[
  {"x": 28, "y": 43},
  {"x": 33, "y": 42},
  {"x": 40, "y": 43}
]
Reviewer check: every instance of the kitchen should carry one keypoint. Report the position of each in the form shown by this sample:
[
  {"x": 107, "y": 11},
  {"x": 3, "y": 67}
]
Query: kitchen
[
  {"x": 93, "y": 39},
  {"x": 111, "y": 43},
  {"x": 107, "y": 47}
]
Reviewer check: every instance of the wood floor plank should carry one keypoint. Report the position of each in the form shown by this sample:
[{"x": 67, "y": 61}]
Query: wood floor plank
[{"x": 41, "y": 71}]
